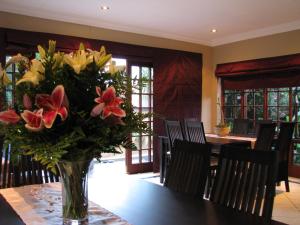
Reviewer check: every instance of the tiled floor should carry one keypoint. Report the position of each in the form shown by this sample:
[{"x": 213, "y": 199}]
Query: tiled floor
[{"x": 286, "y": 206}]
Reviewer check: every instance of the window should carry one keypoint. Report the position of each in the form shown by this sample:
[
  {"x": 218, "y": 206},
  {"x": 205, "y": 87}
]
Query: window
[
  {"x": 142, "y": 101},
  {"x": 277, "y": 104},
  {"x": 9, "y": 96}
]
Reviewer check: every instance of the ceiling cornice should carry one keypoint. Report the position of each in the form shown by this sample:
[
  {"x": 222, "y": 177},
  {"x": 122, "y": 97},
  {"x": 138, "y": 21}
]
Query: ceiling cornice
[{"x": 281, "y": 28}]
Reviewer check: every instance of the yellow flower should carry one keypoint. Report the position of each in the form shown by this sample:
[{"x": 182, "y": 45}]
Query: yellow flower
[
  {"x": 35, "y": 74},
  {"x": 42, "y": 52},
  {"x": 4, "y": 80},
  {"x": 59, "y": 59},
  {"x": 52, "y": 46},
  {"x": 78, "y": 61},
  {"x": 16, "y": 59},
  {"x": 100, "y": 57}
]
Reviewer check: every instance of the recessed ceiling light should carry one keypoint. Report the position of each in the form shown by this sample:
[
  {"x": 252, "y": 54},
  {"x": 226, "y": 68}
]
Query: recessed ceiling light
[
  {"x": 104, "y": 7},
  {"x": 214, "y": 30}
]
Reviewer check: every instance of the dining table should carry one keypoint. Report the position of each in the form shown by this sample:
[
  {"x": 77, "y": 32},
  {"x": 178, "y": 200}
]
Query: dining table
[
  {"x": 120, "y": 201},
  {"x": 217, "y": 141}
]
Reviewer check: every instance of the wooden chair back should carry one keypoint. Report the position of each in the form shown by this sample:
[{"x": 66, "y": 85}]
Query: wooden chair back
[
  {"x": 22, "y": 171},
  {"x": 6, "y": 168},
  {"x": 195, "y": 131},
  {"x": 265, "y": 136},
  {"x": 259, "y": 122},
  {"x": 284, "y": 140},
  {"x": 188, "y": 168},
  {"x": 283, "y": 146},
  {"x": 28, "y": 171},
  {"x": 240, "y": 127},
  {"x": 174, "y": 131},
  {"x": 245, "y": 180}
]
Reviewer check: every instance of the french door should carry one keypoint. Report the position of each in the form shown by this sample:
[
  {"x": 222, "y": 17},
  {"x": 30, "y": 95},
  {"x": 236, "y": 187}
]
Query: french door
[{"x": 141, "y": 160}]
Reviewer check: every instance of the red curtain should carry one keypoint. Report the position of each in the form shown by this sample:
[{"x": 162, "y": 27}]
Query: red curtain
[
  {"x": 177, "y": 88},
  {"x": 281, "y": 71}
]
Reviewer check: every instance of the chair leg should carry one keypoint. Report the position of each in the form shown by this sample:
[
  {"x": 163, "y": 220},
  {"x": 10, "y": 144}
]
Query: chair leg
[{"x": 287, "y": 186}]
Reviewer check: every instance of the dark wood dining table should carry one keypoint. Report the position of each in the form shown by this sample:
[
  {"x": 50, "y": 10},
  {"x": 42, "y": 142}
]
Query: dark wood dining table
[
  {"x": 145, "y": 203},
  {"x": 217, "y": 141}
]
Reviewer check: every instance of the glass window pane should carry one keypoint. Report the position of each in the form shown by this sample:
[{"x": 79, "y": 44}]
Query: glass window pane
[
  {"x": 145, "y": 142},
  {"x": 135, "y": 72},
  {"x": 272, "y": 113},
  {"x": 135, "y": 86},
  {"x": 284, "y": 114},
  {"x": 135, "y": 100},
  {"x": 146, "y": 72},
  {"x": 146, "y": 157},
  {"x": 272, "y": 98},
  {"x": 146, "y": 88},
  {"x": 283, "y": 98},
  {"x": 259, "y": 98},
  {"x": 250, "y": 98},
  {"x": 145, "y": 101},
  {"x": 136, "y": 141},
  {"x": 296, "y": 159},
  {"x": 250, "y": 113},
  {"x": 259, "y": 113}
]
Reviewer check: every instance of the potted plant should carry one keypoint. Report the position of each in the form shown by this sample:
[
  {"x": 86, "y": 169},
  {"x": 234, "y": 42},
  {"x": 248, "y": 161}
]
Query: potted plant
[{"x": 222, "y": 128}]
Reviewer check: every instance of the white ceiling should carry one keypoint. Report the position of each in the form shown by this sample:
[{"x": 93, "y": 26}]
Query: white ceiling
[{"x": 186, "y": 20}]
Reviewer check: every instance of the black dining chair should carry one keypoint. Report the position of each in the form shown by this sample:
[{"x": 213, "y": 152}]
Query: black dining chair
[
  {"x": 164, "y": 148},
  {"x": 259, "y": 122},
  {"x": 27, "y": 171},
  {"x": 23, "y": 170},
  {"x": 240, "y": 127},
  {"x": 194, "y": 131},
  {"x": 174, "y": 131},
  {"x": 265, "y": 136},
  {"x": 245, "y": 180},
  {"x": 6, "y": 168},
  {"x": 188, "y": 168},
  {"x": 283, "y": 146}
]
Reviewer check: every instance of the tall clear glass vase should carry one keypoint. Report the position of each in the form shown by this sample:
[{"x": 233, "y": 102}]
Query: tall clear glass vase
[{"x": 74, "y": 191}]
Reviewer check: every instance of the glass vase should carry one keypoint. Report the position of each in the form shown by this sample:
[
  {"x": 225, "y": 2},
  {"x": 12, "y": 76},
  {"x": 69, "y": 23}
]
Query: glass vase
[{"x": 74, "y": 180}]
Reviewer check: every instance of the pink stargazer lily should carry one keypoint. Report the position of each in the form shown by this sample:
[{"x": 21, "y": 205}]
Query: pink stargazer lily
[
  {"x": 27, "y": 102},
  {"x": 34, "y": 120},
  {"x": 52, "y": 105},
  {"x": 108, "y": 104},
  {"x": 9, "y": 116}
]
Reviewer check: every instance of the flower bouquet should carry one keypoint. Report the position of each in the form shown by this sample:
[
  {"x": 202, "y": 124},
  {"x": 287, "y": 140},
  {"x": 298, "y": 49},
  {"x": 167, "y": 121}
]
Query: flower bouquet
[{"x": 69, "y": 108}]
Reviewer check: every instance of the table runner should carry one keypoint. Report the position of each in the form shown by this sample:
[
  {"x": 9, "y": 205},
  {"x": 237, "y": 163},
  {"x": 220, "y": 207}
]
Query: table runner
[{"x": 41, "y": 204}]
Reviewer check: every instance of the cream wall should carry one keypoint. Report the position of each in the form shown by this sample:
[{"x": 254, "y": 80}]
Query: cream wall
[
  {"x": 14, "y": 21},
  {"x": 268, "y": 46}
]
